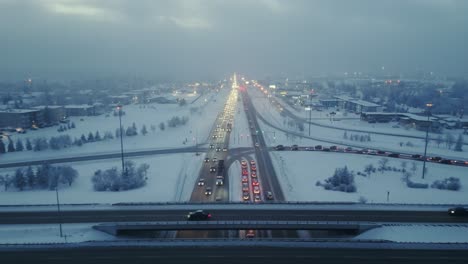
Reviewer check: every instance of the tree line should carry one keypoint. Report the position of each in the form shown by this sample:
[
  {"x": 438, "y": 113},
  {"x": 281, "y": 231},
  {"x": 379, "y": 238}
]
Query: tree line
[{"x": 44, "y": 177}]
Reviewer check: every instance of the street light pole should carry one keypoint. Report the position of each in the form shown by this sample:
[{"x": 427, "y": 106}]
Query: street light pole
[
  {"x": 58, "y": 209},
  {"x": 429, "y": 105},
  {"x": 119, "y": 107}
]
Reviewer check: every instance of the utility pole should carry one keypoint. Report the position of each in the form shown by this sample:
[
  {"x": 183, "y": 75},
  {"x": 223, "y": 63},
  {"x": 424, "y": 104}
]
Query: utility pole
[
  {"x": 58, "y": 209},
  {"x": 119, "y": 108},
  {"x": 428, "y": 105}
]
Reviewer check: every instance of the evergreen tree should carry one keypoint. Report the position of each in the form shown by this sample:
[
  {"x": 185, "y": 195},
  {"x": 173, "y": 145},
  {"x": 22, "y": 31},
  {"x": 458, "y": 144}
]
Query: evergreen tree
[
  {"x": 97, "y": 136},
  {"x": 459, "y": 143},
  {"x": 19, "y": 181},
  {"x": 144, "y": 131},
  {"x": 11, "y": 146},
  {"x": 83, "y": 138},
  {"x": 19, "y": 145},
  {"x": 73, "y": 125},
  {"x": 28, "y": 144},
  {"x": 42, "y": 176},
  {"x": 90, "y": 137},
  {"x": 30, "y": 177},
  {"x": 162, "y": 126},
  {"x": 2, "y": 146},
  {"x": 345, "y": 135}
]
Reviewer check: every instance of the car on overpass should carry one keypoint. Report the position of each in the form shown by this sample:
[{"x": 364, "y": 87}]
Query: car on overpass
[
  {"x": 198, "y": 215},
  {"x": 279, "y": 147},
  {"x": 458, "y": 211},
  {"x": 208, "y": 191}
]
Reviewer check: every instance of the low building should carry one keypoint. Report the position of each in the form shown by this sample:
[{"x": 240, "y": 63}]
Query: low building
[
  {"x": 53, "y": 113},
  {"x": 21, "y": 118},
  {"x": 121, "y": 99},
  {"x": 356, "y": 105},
  {"x": 80, "y": 110},
  {"x": 162, "y": 100}
]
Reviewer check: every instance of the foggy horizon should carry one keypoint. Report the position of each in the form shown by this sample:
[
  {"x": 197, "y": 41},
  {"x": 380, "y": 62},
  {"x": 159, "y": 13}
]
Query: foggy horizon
[{"x": 180, "y": 40}]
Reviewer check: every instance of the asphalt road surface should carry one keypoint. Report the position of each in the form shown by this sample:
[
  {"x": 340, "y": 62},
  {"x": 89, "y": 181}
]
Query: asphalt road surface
[
  {"x": 95, "y": 216},
  {"x": 103, "y": 156},
  {"x": 267, "y": 172}
]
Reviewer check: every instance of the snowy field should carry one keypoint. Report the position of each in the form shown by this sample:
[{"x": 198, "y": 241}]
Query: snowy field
[
  {"x": 298, "y": 173},
  {"x": 422, "y": 233},
  {"x": 170, "y": 178},
  {"x": 235, "y": 185},
  {"x": 50, "y": 233},
  {"x": 388, "y": 143},
  {"x": 195, "y": 131}
]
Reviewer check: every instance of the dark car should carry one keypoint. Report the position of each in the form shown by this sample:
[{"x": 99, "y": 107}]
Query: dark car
[
  {"x": 394, "y": 155},
  {"x": 416, "y": 156},
  {"x": 294, "y": 147},
  {"x": 445, "y": 161},
  {"x": 333, "y": 148},
  {"x": 279, "y": 147},
  {"x": 436, "y": 159},
  {"x": 318, "y": 147},
  {"x": 198, "y": 215},
  {"x": 458, "y": 211}
]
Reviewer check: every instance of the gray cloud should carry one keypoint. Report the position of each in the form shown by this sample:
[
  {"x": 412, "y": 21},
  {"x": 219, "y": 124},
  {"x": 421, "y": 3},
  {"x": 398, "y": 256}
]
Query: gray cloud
[{"x": 209, "y": 38}]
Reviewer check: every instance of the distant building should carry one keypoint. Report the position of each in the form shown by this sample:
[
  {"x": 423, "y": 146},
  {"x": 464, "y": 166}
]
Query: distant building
[
  {"x": 162, "y": 100},
  {"x": 21, "y": 118},
  {"x": 53, "y": 113},
  {"x": 356, "y": 105},
  {"x": 121, "y": 99},
  {"x": 80, "y": 110}
]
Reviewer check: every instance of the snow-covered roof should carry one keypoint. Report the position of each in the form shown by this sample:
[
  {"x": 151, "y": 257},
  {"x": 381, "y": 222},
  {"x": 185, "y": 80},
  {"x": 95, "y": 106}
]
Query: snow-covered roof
[
  {"x": 20, "y": 111},
  {"x": 78, "y": 106},
  {"x": 48, "y": 106}
]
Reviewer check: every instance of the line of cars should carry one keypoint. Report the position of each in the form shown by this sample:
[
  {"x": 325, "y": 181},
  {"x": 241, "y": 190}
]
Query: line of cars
[
  {"x": 254, "y": 184},
  {"x": 374, "y": 152}
]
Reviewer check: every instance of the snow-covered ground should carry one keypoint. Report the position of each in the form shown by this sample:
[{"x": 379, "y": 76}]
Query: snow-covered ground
[
  {"x": 298, "y": 173},
  {"x": 50, "y": 233},
  {"x": 389, "y": 143},
  {"x": 419, "y": 233},
  {"x": 235, "y": 185},
  {"x": 352, "y": 121},
  {"x": 170, "y": 178},
  {"x": 195, "y": 131}
]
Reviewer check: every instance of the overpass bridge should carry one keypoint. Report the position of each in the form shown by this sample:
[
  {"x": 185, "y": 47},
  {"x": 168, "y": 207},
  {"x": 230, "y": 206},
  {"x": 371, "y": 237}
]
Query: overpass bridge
[{"x": 128, "y": 228}]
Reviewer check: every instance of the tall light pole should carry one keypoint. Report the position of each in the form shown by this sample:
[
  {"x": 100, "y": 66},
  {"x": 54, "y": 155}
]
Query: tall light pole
[
  {"x": 428, "y": 106},
  {"x": 119, "y": 108},
  {"x": 58, "y": 209}
]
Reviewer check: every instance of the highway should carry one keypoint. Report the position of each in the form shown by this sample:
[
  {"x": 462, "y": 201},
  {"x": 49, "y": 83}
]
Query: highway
[
  {"x": 249, "y": 213},
  {"x": 87, "y": 157},
  {"x": 219, "y": 252},
  {"x": 267, "y": 172}
]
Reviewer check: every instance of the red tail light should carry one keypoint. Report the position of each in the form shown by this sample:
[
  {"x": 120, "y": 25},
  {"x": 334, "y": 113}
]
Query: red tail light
[{"x": 209, "y": 215}]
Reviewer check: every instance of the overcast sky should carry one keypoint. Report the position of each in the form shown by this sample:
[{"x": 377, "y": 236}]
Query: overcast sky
[{"x": 210, "y": 38}]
